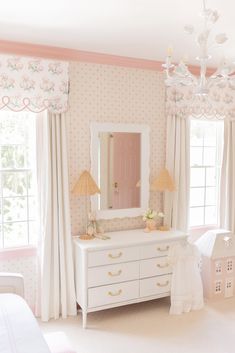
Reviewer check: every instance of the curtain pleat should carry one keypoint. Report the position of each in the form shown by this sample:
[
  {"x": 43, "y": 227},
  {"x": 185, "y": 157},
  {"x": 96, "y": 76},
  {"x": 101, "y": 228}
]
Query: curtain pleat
[
  {"x": 227, "y": 184},
  {"x": 176, "y": 205},
  {"x": 56, "y": 294}
]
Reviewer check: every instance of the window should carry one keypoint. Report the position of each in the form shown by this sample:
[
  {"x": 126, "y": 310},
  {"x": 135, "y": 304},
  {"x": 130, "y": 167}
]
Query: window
[
  {"x": 206, "y": 146},
  {"x": 218, "y": 287},
  {"x": 218, "y": 268},
  {"x": 229, "y": 266},
  {"x": 17, "y": 179}
]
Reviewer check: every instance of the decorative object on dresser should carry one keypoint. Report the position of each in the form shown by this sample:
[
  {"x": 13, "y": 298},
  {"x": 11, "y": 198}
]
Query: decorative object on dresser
[
  {"x": 217, "y": 248},
  {"x": 163, "y": 182},
  {"x": 149, "y": 220},
  {"x": 131, "y": 267},
  {"x": 86, "y": 186}
]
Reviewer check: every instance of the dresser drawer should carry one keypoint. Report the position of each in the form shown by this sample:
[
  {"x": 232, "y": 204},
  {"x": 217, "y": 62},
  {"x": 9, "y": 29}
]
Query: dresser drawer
[
  {"x": 114, "y": 293},
  {"x": 155, "y": 285},
  {"x": 155, "y": 266},
  {"x": 154, "y": 250},
  {"x": 98, "y": 276},
  {"x": 112, "y": 256}
]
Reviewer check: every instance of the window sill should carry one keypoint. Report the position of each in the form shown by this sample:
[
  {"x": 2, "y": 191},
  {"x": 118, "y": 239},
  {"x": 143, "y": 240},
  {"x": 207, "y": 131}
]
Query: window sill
[{"x": 14, "y": 253}]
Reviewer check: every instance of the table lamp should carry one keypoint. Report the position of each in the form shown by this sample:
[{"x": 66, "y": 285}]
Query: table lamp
[
  {"x": 86, "y": 186},
  {"x": 163, "y": 182}
]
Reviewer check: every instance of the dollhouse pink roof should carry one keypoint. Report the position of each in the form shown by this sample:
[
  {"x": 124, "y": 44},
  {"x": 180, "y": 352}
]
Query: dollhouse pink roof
[{"x": 217, "y": 243}]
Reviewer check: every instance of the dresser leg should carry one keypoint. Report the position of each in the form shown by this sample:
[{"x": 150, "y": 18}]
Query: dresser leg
[{"x": 84, "y": 318}]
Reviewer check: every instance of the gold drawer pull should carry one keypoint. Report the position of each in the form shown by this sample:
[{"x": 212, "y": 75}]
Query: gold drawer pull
[
  {"x": 163, "y": 284},
  {"x": 115, "y": 294},
  {"x": 115, "y": 256},
  {"x": 162, "y": 265},
  {"x": 164, "y": 249},
  {"x": 115, "y": 274}
]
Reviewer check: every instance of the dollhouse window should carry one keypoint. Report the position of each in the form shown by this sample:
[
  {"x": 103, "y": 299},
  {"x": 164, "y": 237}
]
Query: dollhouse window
[
  {"x": 218, "y": 268},
  {"x": 229, "y": 266},
  {"x": 229, "y": 288},
  {"x": 218, "y": 287}
]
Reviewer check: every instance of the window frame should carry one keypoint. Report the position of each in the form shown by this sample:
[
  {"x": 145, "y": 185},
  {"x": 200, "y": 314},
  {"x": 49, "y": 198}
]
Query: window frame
[
  {"x": 28, "y": 247},
  {"x": 217, "y": 169}
]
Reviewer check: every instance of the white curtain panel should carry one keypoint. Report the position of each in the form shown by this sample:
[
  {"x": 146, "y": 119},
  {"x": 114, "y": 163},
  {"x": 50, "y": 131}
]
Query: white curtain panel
[
  {"x": 56, "y": 292},
  {"x": 227, "y": 192},
  {"x": 176, "y": 205}
]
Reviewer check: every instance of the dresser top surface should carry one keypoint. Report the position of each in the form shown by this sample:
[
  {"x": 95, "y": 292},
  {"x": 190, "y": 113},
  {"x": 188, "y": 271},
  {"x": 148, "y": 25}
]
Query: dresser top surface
[{"x": 129, "y": 238}]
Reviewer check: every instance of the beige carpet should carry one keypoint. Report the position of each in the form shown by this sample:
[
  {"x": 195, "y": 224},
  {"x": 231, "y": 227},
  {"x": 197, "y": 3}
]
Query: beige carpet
[{"x": 148, "y": 328}]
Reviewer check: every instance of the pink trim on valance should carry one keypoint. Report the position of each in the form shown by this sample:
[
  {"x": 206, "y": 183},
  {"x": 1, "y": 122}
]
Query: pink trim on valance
[{"x": 33, "y": 84}]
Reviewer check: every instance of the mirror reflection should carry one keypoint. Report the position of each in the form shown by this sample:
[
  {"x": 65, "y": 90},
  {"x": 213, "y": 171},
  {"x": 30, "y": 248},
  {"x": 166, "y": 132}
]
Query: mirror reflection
[{"x": 119, "y": 170}]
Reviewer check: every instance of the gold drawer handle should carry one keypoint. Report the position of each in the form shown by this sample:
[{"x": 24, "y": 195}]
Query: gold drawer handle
[
  {"x": 162, "y": 265},
  {"x": 164, "y": 249},
  {"x": 115, "y": 274},
  {"x": 115, "y": 294},
  {"x": 115, "y": 256},
  {"x": 163, "y": 284}
]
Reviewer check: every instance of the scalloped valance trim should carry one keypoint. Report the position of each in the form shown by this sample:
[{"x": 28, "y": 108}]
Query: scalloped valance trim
[
  {"x": 33, "y": 84},
  {"x": 219, "y": 104}
]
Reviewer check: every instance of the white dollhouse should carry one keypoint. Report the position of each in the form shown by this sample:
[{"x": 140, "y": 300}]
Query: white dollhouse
[{"x": 217, "y": 248}]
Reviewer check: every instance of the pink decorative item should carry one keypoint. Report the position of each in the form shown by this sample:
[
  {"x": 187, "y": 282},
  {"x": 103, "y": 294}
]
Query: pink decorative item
[
  {"x": 217, "y": 248},
  {"x": 150, "y": 225}
]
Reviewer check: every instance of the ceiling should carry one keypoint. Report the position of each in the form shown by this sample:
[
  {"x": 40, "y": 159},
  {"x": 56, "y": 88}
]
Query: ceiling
[{"x": 133, "y": 28}]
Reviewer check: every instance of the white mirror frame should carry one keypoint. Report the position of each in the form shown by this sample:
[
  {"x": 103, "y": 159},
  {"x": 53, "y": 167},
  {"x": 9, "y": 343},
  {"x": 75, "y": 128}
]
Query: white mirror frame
[{"x": 96, "y": 129}]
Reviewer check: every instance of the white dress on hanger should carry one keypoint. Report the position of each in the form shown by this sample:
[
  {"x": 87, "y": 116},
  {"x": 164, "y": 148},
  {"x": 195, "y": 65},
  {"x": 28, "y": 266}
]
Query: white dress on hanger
[{"x": 186, "y": 284}]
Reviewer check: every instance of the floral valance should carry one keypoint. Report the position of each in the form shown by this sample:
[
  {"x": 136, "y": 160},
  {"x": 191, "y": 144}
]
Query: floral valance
[
  {"x": 34, "y": 84},
  {"x": 219, "y": 104}
]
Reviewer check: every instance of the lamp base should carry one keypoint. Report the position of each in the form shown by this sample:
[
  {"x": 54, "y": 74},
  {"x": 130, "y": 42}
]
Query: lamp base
[
  {"x": 86, "y": 237},
  {"x": 163, "y": 228}
]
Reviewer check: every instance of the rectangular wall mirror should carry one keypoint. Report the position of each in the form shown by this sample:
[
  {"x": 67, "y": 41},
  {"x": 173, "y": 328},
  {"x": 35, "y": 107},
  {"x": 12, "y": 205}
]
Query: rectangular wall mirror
[{"x": 120, "y": 167}]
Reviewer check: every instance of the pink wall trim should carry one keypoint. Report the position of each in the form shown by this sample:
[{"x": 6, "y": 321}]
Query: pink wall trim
[
  {"x": 9, "y": 254},
  {"x": 26, "y": 49}
]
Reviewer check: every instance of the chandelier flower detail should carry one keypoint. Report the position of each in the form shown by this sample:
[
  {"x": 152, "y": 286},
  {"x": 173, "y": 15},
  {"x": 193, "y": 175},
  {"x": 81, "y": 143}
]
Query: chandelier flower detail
[{"x": 180, "y": 74}]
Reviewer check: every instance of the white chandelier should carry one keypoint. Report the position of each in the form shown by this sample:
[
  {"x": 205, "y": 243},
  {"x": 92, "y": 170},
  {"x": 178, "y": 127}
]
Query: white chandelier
[{"x": 180, "y": 74}]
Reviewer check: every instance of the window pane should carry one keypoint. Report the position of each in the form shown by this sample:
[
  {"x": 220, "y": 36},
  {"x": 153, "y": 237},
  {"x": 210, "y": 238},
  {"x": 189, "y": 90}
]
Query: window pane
[
  {"x": 7, "y": 157},
  {"x": 14, "y": 183},
  {"x": 210, "y": 176},
  {"x": 32, "y": 208},
  {"x": 197, "y": 134},
  {"x": 210, "y": 215},
  {"x": 33, "y": 235},
  {"x": 211, "y": 196},
  {"x": 196, "y": 216},
  {"x": 31, "y": 183},
  {"x": 197, "y": 177},
  {"x": 209, "y": 156},
  {"x": 14, "y": 209},
  {"x": 20, "y": 157},
  {"x": 15, "y": 234},
  {"x": 197, "y": 196},
  {"x": 210, "y": 133},
  {"x": 196, "y": 155}
]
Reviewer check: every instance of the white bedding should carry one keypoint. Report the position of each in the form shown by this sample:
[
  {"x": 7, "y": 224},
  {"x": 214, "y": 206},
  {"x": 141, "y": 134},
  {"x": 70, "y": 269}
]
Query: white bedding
[{"x": 19, "y": 330}]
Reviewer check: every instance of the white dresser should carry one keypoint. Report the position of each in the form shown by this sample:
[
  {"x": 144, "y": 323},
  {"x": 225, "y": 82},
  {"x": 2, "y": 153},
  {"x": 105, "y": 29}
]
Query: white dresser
[{"x": 130, "y": 267}]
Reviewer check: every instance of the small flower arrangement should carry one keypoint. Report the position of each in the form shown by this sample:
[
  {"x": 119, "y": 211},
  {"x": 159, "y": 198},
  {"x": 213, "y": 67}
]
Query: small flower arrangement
[{"x": 149, "y": 214}]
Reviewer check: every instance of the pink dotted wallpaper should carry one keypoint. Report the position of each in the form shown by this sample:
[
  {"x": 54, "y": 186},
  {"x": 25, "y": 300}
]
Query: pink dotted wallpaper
[{"x": 105, "y": 93}]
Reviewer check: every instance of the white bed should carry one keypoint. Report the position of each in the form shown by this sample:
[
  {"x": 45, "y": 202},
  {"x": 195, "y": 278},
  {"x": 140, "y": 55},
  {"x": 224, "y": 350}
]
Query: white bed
[{"x": 19, "y": 330}]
